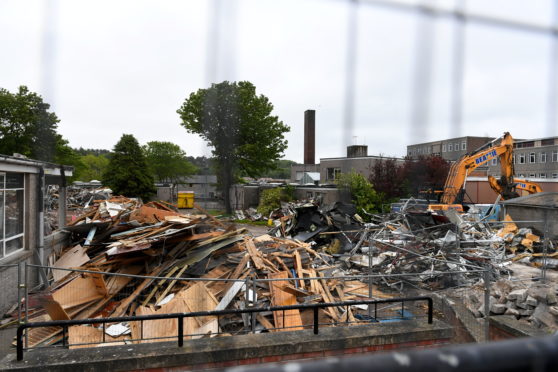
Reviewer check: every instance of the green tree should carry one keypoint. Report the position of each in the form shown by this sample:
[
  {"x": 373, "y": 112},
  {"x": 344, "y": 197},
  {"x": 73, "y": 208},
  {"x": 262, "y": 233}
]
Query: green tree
[
  {"x": 362, "y": 192},
  {"x": 167, "y": 162},
  {"x": 238, "y": 124},
  {"x": 127, "y": 173},
  {"x": 27, "y": 127},
  {"x": 93, "y": 167},
  {"x": 282, "y": 169}
]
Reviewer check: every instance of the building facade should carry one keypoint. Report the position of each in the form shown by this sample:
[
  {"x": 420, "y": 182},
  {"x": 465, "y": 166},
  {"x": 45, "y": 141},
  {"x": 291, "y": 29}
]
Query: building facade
[{"x": 449, "y": 149}]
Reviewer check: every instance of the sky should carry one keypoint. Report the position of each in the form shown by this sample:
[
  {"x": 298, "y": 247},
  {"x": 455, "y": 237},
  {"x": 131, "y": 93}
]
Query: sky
[{"x": 124, "y": 67}]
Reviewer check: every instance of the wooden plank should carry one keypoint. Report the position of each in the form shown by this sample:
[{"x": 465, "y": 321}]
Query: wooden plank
[
  {"x": 208, "y": 215},
  {"x": 116, "y": 283},
  {"x": 266, "y": 323},
  {"x": 121, "y": 309},
  {"x": 255, "y": 255},
  {"x": 172, "y": 283},
  {"x": 83, "y": 334},
  {"x": 229, "y": 296},
  {"x": 288, "y": 320},
  {"x": 53, "y": 308},
  {"x": 199, "y": 298},
  {"x": 74, "y": 257},
  {"x": 298, "y": 267}
]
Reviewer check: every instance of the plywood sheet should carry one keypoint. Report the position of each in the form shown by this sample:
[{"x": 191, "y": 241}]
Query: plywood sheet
[
  {"x": 74, "y": 257},
  {"x": 81, "y": 290},
  {"x": 287, "y": 320},
  {"x": 91, "y": 336}
]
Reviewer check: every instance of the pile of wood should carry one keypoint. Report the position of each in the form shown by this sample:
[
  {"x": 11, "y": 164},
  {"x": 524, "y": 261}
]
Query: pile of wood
[{"x": 120, "y": 236}]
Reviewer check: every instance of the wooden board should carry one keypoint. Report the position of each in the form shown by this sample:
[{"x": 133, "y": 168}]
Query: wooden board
[
  {"x": 288, "y": 320},
  {"x": 81, "y": 290},
  {"x": 74, "y": 257},
  {"x": 83, "y": 334},
  {"x": 199, "y": 298}
]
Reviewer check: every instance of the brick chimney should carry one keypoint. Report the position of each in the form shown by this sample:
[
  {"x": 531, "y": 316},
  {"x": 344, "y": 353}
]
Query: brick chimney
[{"x": 310, "y": 137}]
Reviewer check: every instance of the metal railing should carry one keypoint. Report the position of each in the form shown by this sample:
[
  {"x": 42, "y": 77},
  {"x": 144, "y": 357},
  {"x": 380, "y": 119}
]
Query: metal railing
[{"x": 181, "y": 316}]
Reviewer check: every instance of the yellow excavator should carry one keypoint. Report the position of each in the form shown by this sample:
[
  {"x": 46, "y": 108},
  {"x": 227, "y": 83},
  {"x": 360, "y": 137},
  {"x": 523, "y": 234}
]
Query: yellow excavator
[{"x": 502, "y": 148}]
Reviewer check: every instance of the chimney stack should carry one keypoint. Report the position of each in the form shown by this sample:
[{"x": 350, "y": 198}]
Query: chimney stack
[{"x": 309, "y": 137}]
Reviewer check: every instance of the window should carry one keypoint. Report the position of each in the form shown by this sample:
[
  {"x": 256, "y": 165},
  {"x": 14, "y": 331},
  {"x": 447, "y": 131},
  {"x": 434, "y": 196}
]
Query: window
[
  {"x": 554, "y": 175},
  {"x": 532, "y": 175},
  {"x": 463, "y": 145},
  {"x": 542, "y": 175},
  {"x": 521, "y": 158},
  {"x": 547, "y": 142},
  {"x": 494, "y": 161},
  {"x": 456, "y": 147},
  {"x": 513, "y": 159},
  {"x": 450, "y": 146},
  {"x": 542, "y": 157},
  {"x": 555, "y": 156},
  {"x": 521, "y": 176},
  {"x": 332, "y": 174},
  {"x": 11, "y": 213},
  {"x": 532, "y": 157},
  {"x": 444, "y": 147}
]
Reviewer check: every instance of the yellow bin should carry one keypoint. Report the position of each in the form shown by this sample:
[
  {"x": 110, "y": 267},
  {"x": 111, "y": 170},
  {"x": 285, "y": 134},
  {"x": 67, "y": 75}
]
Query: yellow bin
[{"x": 185, "y": 199}]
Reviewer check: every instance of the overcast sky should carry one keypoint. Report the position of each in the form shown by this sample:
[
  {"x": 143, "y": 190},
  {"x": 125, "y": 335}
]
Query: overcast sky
[{"x": 113, "y": 67}]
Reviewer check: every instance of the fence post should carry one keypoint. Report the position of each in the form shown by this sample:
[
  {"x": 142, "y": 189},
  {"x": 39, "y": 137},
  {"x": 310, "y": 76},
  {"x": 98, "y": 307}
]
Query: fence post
[
  {"x": 253, "y": 298},
  {"x": 26, "y": 274},
  {"x": 20, "y": 288},
  {"x": 486, "y": 280}
]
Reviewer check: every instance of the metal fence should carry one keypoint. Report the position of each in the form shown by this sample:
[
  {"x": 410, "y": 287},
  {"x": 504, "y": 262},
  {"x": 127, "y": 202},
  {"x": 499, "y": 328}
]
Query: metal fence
[{"x": 382, "y": 289}]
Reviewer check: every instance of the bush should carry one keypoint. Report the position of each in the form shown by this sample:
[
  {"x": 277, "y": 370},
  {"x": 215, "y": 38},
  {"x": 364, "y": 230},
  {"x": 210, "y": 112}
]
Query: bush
[
  {"x": 363, "y": 194},
  {"x": 271, "y": 199}
]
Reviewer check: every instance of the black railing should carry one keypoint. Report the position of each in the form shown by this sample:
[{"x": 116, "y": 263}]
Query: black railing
[{"x": 180, "y": 316}]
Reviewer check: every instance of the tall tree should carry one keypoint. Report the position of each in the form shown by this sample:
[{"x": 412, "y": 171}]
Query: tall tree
[
  {"x": 27, "y": 126},
  {"x": 167, "y": 161},
  {"x": 127, "y": 173},
  {"x": 238, "y": 124}
]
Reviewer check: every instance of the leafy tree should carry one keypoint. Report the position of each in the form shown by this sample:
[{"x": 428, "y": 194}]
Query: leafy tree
[
  {"x": 388, "y": 178},
  {"x": 27, "y": 127},
  {"x": 426, "y": 172},
  {"x": 127, "y": 173},
  {"x": 238, "y": 124},
  {"x": 167, "y": 161},
  {"x": 362, "y": 192},
  {"x": 93, "y": 167},
  {"x": 81, "y": 151},
  {"x": 282, "y": 169}
]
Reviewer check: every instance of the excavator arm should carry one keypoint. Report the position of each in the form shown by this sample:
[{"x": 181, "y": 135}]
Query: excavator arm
[
  {"x": 520, "y": 184},
  {"x": 502, "y": 147}
]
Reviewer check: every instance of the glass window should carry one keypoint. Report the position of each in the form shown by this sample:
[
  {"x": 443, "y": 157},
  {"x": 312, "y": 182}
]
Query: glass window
[
  {"x": 463, "y": 145},
  {"x": 12, "y": 207},
  {"x": 554, "y": 175},
  {"x": 555, "y": 156},
  {"x": 532, "y": 175},
  {"x": 542, "y": 175},
  {"x": 542, "y": 157},
  {"x": 521, "y": 158},
  {"x": 456, "y": 147},
  {"x": 531, "y": 157},
  {"x": 444, "y": 147},
  {"x": 450, "y": 146},
  {"x": 494, "y": 161},
  {"x": 332, "y": 173}
]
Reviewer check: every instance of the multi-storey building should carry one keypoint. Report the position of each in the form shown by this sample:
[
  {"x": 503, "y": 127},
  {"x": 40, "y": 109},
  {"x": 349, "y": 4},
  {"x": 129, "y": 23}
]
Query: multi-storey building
[
  {"x": 449, "y": 149},
  {"x": 533, "y": 158}
]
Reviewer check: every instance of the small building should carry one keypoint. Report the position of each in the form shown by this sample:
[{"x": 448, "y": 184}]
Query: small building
[
  {"x": 23, "y": 184},
  {"x": 538, "y": 210}
]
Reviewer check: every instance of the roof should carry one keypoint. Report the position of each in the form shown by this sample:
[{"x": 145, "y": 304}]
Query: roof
[
  {"x": 540, "y": 200},
  {"x": 24, "y": 165}
]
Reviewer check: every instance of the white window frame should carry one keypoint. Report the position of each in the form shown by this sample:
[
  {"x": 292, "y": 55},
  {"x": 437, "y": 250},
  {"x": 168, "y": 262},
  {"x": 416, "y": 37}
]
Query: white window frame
[
  {"x": 494, "y": 161},
  {"x": 542, "y": 157},
  {"x": 463, "y": 145},
  {"x": 443, "y": 147},
  {"x": 542, "y": 175},
  {"x": 555, "y": 156},
  {"x": 532, "y": 158},
  {"x": 456, "y": 146},
  {"x": 532, "y": 175},
  {"x": 554, "y": 175},
  {"x": 522, "y": 158},
  {"x": 20, "y": 235},
  {"x": 450, "y": 146}
]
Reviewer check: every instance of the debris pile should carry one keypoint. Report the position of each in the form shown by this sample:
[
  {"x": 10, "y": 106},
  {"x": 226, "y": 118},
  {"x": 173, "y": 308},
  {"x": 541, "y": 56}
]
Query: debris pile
[{"x": 121, "y": 236}]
